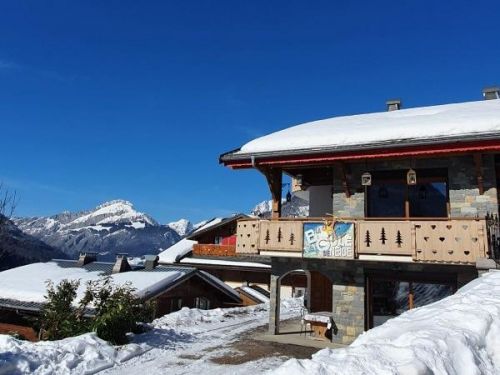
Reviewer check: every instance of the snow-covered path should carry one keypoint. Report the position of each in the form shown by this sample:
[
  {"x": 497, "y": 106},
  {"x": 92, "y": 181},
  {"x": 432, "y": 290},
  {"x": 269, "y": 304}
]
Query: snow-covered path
[{"x": 184, "y": 342}]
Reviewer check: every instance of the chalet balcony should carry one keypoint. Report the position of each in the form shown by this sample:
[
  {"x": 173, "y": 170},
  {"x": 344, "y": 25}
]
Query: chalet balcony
[
  {"x": 453, "y": 241},
  {"x": 214, "y": 250}
]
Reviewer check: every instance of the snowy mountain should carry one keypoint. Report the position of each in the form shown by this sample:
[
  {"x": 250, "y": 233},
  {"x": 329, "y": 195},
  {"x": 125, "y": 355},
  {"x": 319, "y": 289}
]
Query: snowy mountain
[
  {"x": 296, "y": 207},
  {"x": 18, "y": 248},
  {"x": 183, "y": 227},
  {"x": 112, "y": 227}
]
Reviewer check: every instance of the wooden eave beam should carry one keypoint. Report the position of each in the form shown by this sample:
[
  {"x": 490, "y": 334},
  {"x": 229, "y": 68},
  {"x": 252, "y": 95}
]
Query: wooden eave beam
[
  {"x": 345, "y": 183},
  {"x": 458, "y": 148},
  {"x": 478, "y": 164},
  {"x": 274, "y": 181}
]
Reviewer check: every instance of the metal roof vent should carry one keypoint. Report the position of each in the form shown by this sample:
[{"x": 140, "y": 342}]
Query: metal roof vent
[
  {"x": 393, "y": 105},
  {"x": 150, "y": 262},
  {"x": 121, "y": 263},
  {"x": 86, "y": 257},
  {"x": 491, "y": 93}
]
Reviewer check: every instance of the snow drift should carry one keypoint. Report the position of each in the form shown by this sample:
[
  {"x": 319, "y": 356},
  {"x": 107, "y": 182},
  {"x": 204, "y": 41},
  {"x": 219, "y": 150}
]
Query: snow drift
[{"x": 457, "y": 335}]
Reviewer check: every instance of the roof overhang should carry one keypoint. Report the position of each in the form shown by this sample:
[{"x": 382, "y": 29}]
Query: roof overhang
[{"x": 393, "y": 150}]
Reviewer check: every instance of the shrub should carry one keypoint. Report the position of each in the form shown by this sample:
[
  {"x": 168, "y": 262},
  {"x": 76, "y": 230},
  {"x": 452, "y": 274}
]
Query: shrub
[
  {"x": 116, "y": 309},
  {"x": 60, "y": 318},
  {"x": 111, "y": 310}
]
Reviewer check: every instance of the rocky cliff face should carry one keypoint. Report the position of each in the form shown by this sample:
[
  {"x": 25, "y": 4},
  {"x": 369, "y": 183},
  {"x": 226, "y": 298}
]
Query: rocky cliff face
[{"x": 18, "y": 248}]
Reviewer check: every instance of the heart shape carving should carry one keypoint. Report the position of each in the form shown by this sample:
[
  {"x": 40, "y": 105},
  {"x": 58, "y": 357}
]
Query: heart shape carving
[
  {"x": 474, "y": 239},
  {"x": 450, "y": 252},
  {"x": 449, "y": 226},
  {"x": 458, "y": 239},
  {"x": 426, "y": 238},
  {"x": 434, "y": 251},
  {"x": 465, "y": 227},
  {"x": 441, "y": 239},
  {"x": 466, "y": 252},
  {"x": 433, "y": 226}
]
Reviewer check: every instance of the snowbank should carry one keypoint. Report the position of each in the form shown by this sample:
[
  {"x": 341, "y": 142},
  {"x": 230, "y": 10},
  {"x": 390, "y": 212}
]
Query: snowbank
[
  {"x": 85, "y": 354},
  {"x": 187, "y": 319},
  {"x": 457, "y": 335}
]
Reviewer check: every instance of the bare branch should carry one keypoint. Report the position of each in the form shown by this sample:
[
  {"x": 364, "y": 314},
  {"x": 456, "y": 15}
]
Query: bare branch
[{"x": 8, "y": 203}]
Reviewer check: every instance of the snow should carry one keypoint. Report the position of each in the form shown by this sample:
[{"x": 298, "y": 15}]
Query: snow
[
  {"x": 113, "y": 212},
  {"x": 177, "y": 251},
  {"x": 218, "y": 262},
  {"x": 188, "y": 333},
  {"x": 207, "y": 224},
  {"x": 85, "y": 354},
  {"x": 459, "y": 334},
  {"x": 424, "y": 123},
  {"x": 260, "y": 297},
  {"x": 28, "y": 283},
  {"x": 182, "y": 227}
]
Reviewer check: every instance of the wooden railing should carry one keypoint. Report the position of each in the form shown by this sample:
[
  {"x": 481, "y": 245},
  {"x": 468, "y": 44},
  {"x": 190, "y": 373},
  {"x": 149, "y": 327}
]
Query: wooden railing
[
  {"x": 457, "y": 241},
  {"x": 214, "y": 250}
]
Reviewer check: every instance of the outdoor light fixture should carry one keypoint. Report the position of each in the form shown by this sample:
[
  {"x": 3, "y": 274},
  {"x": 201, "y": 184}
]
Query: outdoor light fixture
[
  {"x": 366, "y": 179},
  {"x": 411, "y": 177}
]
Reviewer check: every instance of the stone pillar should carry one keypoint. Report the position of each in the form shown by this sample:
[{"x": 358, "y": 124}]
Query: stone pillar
[
  {"x": 348, "y": 299},
  {"x": 274, "y": 306}
]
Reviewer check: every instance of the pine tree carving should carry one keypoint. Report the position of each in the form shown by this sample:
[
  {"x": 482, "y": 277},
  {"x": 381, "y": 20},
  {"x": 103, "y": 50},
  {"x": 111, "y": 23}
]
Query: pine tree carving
[
  {"x": 383, "y": 238},
  {"x": 280, "y": 235},
  {"x": 268, "y": 237},
  {"x": 368, "y": 240},
  {"x": 399, "y": 239},
  {"x": 292, "y": 238}
]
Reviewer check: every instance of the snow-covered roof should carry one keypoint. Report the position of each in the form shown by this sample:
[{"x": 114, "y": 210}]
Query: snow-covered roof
[
  {"x": 255, "y": 294},
  {"x": 220, "y": 262},
  {"x": 177, "y": 251},
  {"x": 28, "y": 283},
  {"x": 434, "y": 124}
]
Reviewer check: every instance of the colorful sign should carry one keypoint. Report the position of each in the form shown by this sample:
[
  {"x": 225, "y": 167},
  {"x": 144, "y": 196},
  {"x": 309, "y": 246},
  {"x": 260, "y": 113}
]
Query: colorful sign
[{"x": 327, "y": 240}]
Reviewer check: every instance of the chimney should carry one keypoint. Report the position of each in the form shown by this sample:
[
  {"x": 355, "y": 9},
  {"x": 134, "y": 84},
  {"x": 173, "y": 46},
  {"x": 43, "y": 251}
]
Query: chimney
[
  {"x": 491, "y": 93},
  {"x": 150, "y": 262},
  {"x": 393, "y": 105},
  {"x": 86, "y": 258},
  {"x": 121, "y": 263}
]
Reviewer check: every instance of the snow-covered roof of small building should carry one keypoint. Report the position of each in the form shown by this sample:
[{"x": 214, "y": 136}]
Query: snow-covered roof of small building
[
  {"x": 177, "y": 251},
  {"x": 434, "y": 124},
  {"x": 28, "y": 284},
  {"x": 221, "y": 262}
]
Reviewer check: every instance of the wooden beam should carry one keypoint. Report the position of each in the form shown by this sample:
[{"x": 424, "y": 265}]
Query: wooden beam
[
  {"x": 274, "y": 177},
  {"x": 478, "y": 163},
  {"x": 343, "y": 176}
]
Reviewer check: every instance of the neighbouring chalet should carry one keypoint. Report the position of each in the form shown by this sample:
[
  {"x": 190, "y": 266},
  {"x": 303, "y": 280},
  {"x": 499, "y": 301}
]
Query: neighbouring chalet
[
  {"x": 403, "y": 208},
  {"x": 212, "y": 248},
  {"x": 22, "y": 289}
]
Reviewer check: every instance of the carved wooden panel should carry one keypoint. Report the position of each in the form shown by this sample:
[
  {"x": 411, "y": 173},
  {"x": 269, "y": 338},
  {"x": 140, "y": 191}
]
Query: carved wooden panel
[
  {"x": 384, "y": 237},
  {"x": 281, "y": 235},
  {"x": 457, "y": 241},
  {"x": 247, "y": 237}
]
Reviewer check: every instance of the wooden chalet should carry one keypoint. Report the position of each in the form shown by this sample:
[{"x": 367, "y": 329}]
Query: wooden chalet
[
  {"x": 22, "y": 289},
  {"x": 403, "y": 208},
  {"x": 212, "y": 248}
]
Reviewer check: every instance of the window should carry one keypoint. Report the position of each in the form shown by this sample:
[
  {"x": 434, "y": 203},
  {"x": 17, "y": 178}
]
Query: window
[
  {"x": 391, "y": 196},
  {"x": 202, "y": 303}
]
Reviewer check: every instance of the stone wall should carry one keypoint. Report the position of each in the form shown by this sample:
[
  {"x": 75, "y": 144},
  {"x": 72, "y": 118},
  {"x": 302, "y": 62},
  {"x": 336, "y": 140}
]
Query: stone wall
[
  {"x": 465, "y": 200},
  {"x": 348, "y": 287}
]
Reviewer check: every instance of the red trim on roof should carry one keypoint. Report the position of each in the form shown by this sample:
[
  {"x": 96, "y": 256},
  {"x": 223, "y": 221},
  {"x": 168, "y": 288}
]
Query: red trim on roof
[{"x": 393, "y": 152}]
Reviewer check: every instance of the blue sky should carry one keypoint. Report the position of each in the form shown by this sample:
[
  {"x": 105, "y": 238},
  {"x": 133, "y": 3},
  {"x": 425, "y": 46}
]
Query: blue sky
[{"x": 135, "y": 100}]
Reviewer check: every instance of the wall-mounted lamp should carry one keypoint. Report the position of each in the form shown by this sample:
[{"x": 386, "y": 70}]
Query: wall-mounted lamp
[
  {"x": 411, "y": 177},
  {"x": 366, "y": 179}
]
